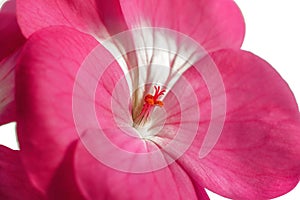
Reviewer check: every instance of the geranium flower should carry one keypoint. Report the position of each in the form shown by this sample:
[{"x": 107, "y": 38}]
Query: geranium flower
[{"x": 134, "y": 100}]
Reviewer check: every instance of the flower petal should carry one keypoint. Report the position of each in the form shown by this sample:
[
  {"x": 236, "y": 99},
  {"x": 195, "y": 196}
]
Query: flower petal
[
  {"x": 45, "y": 79},
  {"x": 257, "y": 155},
  {"x": 7, "y": 91},
  {"x": 101, "y": 182},
  {"x": 97, "y": 17},
  {"x": 11, "y": 36},
  {"x": 14, "y": 182},
  {"x": 11, "y": 39},
  {"x": 214, "y": 24}
]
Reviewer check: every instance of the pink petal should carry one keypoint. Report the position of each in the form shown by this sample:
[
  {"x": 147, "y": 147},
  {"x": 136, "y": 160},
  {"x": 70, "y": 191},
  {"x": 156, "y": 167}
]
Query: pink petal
[
  {"x": 257, "y": 155},
  {"x": 45, "y": 79},
  {"x": 92, "y": 17},
  {"x": 98, "y": 181},
  {"x": 214, "y": 24},
  {"x": 14, "y": 182},
  {"x": 11, "y": 36},
  {"x": 7, "y": 91},
  {"x": 11, "y": 39}
]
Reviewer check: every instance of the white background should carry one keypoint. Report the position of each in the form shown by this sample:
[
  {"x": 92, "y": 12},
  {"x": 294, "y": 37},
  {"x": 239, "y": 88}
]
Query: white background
[{"x": 272, "y": 32}]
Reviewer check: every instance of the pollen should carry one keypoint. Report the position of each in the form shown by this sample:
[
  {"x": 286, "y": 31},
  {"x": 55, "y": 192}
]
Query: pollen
[
  {"x": 150, "y": 101},
  {"x": 153, "y": 99}
]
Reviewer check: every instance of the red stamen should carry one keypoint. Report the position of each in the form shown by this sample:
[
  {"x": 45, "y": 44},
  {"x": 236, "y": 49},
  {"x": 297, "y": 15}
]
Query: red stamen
[{"x": 149, "y": 102}]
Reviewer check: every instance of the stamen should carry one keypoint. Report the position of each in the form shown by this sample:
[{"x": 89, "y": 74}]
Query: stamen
[{"x": 150, "y": 101}]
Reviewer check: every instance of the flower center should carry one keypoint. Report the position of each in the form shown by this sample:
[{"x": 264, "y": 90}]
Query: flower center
[{"x": 150, "y": 101}]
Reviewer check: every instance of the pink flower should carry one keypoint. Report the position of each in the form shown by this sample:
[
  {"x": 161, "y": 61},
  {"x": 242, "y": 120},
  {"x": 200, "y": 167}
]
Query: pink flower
[{"x": 150, "y": 100}]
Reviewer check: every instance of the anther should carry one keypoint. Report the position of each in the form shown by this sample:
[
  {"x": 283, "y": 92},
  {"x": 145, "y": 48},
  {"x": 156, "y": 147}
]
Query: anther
[{"x": 149, "y": 102}]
